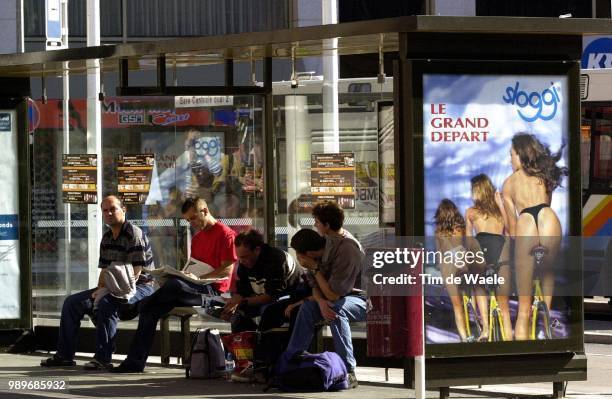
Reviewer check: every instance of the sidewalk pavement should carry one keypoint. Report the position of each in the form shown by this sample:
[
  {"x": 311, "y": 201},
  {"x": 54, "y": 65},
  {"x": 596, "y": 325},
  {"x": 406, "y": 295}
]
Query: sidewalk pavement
[
  {"x": 598, "y": 321},
  {"x": 170, "y": 382}
]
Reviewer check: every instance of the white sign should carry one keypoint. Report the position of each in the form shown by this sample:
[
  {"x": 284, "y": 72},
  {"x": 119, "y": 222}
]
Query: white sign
[
  {"x": 202, "y": 101},
  {"x": 10, "y": 300},
  {"x": 56, "y": 29}
]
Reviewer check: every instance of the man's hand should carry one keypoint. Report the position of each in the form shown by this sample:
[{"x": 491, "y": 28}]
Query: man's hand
[
  {"x": 230, "y": 307},
  {"x": 327, "y": 311},
  {"x": 191, "y": 275},
  {"x": 97, "y": 292},
  {"x": 307, "y": 262},
  {"x": 290, "y": 308}
]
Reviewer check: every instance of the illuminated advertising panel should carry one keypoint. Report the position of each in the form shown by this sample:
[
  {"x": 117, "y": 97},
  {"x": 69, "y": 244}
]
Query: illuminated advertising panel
[{"x": 495, "y": 180}]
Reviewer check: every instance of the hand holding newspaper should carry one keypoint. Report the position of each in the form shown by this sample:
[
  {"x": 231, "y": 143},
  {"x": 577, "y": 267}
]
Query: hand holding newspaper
[{"x": 191, "y": 271}]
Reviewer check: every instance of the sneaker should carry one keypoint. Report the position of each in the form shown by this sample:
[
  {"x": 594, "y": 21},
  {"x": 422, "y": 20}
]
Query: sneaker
[
  {"x": 57, "y": 361},
  {"x": 95, "y": 365},
  {"x": 241, "y": 374},
  {"x": 124, "y": 368},
  {"x": 352, "y": 380}
]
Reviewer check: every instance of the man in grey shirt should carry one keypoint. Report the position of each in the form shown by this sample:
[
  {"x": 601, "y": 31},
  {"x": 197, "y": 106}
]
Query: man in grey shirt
[{"x": 334, "y": 297}]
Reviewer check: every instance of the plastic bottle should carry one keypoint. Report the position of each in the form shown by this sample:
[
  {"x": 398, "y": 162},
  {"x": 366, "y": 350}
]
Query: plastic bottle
[{"x": 229, "y": 365}]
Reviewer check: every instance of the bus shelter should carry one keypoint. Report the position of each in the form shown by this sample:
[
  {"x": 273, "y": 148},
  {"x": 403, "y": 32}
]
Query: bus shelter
[{"x": 259, "y": 124}]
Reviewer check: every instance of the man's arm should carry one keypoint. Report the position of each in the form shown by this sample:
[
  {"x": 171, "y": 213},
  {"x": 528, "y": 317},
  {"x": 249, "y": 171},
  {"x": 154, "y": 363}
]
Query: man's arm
[
  {"x": 324, "y": 287},
  {"x": 322, "y": 283},
  {"x": 258, "y": 300},
  {"x": 137, "y": 254},
  {"x": 225, "y": 270},
  {"x": 101, "y": 279},
  {"x": 325, "y": 305}
]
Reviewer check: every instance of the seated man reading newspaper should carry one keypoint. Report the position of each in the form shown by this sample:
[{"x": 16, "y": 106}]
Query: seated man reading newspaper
[{"x": 213, "y": 245}]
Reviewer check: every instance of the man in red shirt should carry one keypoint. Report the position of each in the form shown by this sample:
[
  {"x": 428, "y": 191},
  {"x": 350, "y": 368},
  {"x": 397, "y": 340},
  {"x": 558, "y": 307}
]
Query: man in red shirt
[{"x": 213, "y": 243}]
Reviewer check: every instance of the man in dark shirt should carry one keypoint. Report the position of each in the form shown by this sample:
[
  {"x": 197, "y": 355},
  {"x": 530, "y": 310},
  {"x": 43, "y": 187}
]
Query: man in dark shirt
[
  {"x": 124, "y": 243},
  {"x": 264, "y": 274}
]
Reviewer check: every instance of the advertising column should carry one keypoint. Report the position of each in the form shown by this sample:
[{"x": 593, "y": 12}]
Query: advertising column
[{"x": 9, "y": 210}]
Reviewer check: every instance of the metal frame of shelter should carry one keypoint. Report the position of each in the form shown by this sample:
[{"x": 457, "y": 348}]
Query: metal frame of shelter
[{"x": 413, "y": 40}]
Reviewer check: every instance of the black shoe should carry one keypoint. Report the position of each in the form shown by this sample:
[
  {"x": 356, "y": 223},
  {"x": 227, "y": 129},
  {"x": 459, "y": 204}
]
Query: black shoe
[
  {"x": 123, "y": 369},
  {"x": 96, "y": 365},
  {"x": 352, "y": 380},
  {"x": 57, "y": 361}
]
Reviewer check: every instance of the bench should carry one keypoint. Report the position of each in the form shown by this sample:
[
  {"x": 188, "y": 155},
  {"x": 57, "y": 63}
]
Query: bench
[{"x": 185, "y": 314}]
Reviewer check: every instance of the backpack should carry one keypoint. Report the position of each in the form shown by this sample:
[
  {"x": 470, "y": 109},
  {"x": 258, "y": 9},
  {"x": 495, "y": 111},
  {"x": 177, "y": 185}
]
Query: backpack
[
  {"x": 207, "y": 356},
  {"x": 270, "y": 346},
  {"x": 316, "y": 372}
]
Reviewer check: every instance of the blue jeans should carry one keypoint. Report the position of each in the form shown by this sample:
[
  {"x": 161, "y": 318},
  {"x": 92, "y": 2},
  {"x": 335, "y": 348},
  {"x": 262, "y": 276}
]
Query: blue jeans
[
  {"x": 76, "y": 306},
  {"x": 349, "y": 309},
  {"x": 175, "y": 292}
]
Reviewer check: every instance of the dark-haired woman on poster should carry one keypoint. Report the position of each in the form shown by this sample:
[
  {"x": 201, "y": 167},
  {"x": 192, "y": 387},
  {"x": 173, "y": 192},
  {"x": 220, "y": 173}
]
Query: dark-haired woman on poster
[
  {"x": 450, "y": 234},
  {"x": 485, "y": 221},
  {"x": 527, "y": 195}
]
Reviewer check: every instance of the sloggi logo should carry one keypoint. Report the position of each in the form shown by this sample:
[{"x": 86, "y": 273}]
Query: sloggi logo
[
  {"x": 206, "y": 146},
  {"x": 534, "y": 105}
]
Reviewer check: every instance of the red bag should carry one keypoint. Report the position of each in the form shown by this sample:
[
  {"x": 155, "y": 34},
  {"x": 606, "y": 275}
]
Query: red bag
[{"x": 241, "y": 346}]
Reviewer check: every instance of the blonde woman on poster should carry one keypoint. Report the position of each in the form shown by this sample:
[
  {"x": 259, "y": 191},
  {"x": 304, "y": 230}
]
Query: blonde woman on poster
[
  {"x": 527, "y": 195},
  {"x": 485, "y": 220}
]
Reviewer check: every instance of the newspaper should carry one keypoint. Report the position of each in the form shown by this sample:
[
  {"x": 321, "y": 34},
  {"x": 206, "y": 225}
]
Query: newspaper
[{"x": 193, "y": 266}]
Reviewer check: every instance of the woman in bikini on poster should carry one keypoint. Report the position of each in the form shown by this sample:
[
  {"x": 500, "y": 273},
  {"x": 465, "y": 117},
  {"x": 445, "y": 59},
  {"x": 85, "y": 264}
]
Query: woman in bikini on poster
[
  {"x": 450, "y": 234},
  {"x": 527, "y": 195},
  {"x": 485, "y": 221}
]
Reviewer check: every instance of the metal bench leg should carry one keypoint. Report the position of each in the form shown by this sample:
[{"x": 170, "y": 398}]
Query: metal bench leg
[
  {"x": 319, "y": 339},
  {"x": 558, "y": 390},
  {"x": 444, "y": 393},
  {"x": 164, "y": 330},
  {"x": 186, "y": 334},
  {"x": 387, "y": 374}
]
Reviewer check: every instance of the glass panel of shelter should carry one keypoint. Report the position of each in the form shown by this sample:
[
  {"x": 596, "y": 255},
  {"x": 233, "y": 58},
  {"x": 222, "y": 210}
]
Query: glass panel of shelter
[
  {"x": 303, "y": 130},
  {"x": 214, "y": 152}
]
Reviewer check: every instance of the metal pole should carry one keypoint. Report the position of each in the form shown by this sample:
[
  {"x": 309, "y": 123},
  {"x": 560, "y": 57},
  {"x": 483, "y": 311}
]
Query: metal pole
[
  {"x": 270, "y": 209},
  {"x": 20, "y": 28},
  {"x": 124, "y": 20},
  {"x": 331, "y": 125},
  {"x": 66, "y": 150},
  {"x": 94, "y": 137},
  {"x": 419, "y": 361}
]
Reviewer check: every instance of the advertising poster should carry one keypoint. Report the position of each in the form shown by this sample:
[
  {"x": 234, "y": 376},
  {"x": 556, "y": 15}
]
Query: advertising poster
[
  {"x": 134, "y": 177},
  {"x": 10, "y": 303},
  {"x": 79, "y": 178},
  {"x": 332, "y": 177},
  {"x": 495, "y": 160}
]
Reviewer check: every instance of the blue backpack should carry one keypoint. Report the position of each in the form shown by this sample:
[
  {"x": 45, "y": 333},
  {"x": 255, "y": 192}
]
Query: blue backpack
[{"x": 305, "y": 371}]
